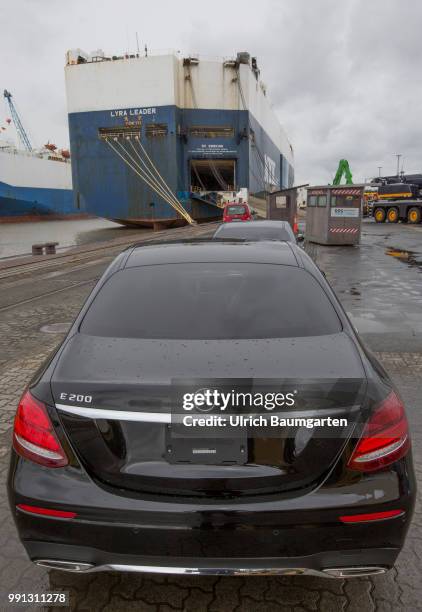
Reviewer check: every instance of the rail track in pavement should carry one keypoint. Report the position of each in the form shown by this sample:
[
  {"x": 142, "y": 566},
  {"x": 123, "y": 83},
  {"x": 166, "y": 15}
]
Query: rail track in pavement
[{"x": 46, "y": 267}]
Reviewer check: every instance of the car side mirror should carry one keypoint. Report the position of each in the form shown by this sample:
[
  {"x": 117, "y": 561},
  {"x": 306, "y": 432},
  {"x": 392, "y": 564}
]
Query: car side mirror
[{"x": 300, "y": 238}]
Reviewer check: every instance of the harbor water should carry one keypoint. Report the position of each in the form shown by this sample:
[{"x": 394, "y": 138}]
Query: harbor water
[{"x": 18, "y": 238}]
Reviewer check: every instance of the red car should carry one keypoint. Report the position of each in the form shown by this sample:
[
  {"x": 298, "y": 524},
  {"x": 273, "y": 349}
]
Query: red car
[{"x": 236, "y": 212}]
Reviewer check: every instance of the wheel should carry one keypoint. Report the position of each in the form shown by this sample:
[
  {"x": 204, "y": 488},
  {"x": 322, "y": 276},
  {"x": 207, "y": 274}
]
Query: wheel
[
  {"x": 379, "y": 215},
  {"x": 393, "y": 215},
  {"x": 414, "y": 215}
]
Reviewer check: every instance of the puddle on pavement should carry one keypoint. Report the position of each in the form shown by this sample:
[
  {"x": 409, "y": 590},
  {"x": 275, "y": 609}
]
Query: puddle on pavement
[{"x": 411, "y": 258}]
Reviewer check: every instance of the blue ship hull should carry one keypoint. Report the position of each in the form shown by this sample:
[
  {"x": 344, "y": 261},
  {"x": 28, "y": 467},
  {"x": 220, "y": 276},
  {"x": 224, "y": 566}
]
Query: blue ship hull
[
  {"x": 28, "y": 201},
  {"x": 106, "y": 187}
]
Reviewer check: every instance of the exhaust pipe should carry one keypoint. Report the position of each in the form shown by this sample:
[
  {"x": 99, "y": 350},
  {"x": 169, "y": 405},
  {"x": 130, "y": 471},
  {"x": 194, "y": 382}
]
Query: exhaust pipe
[
  {"x": 67, "y": 566},
  {"x": 333, "y": 572},
  {"x": 354, "y": 572}
]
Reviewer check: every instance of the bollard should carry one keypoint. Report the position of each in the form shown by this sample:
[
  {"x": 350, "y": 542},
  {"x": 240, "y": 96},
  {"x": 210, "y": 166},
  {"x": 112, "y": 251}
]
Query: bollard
[
  {"x": 37, "y": 249},
  {"x": 50, "y": 248}
]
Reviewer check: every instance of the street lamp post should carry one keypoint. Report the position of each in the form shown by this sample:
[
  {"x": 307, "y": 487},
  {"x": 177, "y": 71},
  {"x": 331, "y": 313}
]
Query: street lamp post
[{"x": 398, "y": 155}]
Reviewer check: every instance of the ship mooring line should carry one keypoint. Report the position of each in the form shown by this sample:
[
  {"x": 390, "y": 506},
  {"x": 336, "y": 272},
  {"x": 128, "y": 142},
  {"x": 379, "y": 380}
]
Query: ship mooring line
[
  {"x": 162, "y": 184},
  {"x": 154, "y": 185},
  {"x": 163, "y": 181},
  {"x": 177, "y": 207},
  {"x": 141, "y": 173},
  {"x": 153, "y": 180}
]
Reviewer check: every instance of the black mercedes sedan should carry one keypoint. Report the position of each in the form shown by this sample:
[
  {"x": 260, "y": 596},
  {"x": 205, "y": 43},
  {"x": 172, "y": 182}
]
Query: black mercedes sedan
[{"x": 212, "y": 411}]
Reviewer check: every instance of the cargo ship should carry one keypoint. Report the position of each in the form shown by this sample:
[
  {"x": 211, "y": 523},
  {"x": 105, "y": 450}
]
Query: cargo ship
[
  {"x": 167, "y": 138},
  {"x": 34, "y": 184}
]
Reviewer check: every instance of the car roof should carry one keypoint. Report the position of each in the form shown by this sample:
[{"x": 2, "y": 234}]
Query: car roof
[
  {"x": 204, "y": 251},
  {"x": 261, "y": 223}
]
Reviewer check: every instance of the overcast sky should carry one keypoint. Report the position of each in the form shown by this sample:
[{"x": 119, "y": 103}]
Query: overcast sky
[{"x": 344, "y": 77}]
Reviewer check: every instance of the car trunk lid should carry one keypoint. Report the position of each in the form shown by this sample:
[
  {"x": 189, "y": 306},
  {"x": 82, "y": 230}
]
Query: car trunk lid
[{"x": 120, "y": 403}]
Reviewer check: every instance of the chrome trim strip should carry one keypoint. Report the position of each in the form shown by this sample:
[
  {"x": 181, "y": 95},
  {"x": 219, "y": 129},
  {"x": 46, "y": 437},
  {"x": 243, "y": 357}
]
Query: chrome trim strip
[
  {"x": 116, "y": 415},
  {"x": 211, "y": 571},
  {"x": 344, "y": 572}
]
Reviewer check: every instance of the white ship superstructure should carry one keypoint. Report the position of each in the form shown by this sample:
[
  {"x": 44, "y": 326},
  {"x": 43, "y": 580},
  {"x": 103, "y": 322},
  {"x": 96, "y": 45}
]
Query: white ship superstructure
[{"x": 206, "y": 125}]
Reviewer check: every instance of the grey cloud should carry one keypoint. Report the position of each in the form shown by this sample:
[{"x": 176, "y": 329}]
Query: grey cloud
[{"x": 343, "y": 77}]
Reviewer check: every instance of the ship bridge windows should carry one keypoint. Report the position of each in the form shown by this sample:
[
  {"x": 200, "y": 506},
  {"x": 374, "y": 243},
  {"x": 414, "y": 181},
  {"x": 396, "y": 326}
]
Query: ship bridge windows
[
  {"x": 156, "y": 129},
  {"x": 213, "y": 174},
  {"x": 211, "y": 131}
]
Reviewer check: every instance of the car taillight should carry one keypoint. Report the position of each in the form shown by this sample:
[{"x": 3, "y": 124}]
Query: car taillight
[
  {"x": 385, "y": 438},
  {"x": 33, "y": 434}
]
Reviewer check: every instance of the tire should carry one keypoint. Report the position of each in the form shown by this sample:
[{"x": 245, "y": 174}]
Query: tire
[
  {"x": 414, "y": 215},
  {"x": 379, "y": 215},
  {"x": 393, "y": 215}
]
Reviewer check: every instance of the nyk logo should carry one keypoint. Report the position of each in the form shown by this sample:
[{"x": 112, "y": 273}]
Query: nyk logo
[{"x": 206, "y": 400}]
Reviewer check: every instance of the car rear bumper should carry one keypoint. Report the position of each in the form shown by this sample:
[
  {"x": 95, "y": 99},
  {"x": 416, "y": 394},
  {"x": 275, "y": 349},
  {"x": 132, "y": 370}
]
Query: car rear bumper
[
  {"x": 303, "y": 534},
  {"x": 215, "y": 546}
]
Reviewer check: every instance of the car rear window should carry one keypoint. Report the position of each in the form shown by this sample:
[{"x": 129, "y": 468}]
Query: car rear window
[
  {"x": 246, "y": 231},
  {"x": 211, "y": 301},
  {"x": 236, "y": 210}
]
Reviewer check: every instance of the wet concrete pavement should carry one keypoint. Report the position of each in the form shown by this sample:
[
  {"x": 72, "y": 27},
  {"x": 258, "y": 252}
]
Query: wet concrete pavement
[
  {"x": 383, "y": 295},
  {"x": 380, "y": 284}
]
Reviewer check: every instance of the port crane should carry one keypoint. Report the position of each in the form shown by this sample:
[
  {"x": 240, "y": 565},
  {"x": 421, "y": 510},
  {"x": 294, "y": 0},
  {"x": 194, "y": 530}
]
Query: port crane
[
  {"x": 343, "y": 169},
  {"x": 23, "y": 136}
]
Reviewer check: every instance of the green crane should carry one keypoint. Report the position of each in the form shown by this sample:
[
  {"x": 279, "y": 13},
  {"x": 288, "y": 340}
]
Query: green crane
[{"x": 343, "y": 169}]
